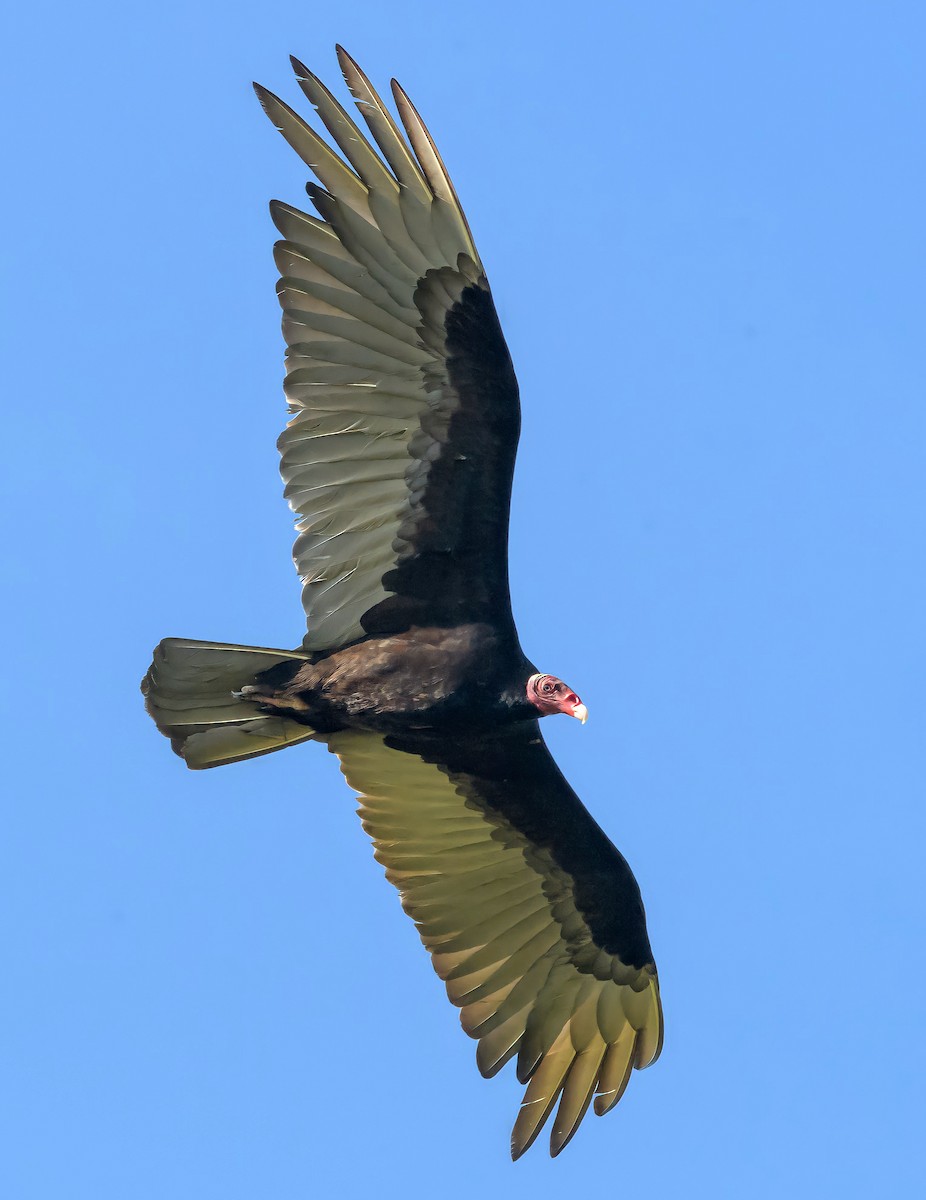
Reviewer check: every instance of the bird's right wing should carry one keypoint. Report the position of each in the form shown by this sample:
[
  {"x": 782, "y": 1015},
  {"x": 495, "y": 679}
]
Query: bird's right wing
[
  {"x": 398, "y": 460},
  {"x": 532, "y": 917}
]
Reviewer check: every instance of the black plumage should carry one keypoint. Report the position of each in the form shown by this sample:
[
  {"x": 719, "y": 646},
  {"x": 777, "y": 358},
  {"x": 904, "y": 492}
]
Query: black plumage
[{"x": 398, "y": 462}]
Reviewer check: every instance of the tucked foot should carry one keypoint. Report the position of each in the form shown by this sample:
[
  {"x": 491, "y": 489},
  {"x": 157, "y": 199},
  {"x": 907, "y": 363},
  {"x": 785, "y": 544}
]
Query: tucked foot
[{"x": 279, "y": 703}]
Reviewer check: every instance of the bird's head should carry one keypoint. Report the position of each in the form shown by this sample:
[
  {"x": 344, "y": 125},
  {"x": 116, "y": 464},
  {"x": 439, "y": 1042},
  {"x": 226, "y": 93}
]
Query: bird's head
[{"x": 550, "y": 695}]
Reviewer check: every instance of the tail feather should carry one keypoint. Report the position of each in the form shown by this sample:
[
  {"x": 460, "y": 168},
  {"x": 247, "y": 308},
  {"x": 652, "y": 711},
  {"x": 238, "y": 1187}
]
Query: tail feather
[{"x": 188, "y": 692}]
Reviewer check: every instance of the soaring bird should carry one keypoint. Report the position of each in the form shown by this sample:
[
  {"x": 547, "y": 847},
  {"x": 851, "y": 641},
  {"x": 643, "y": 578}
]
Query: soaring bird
[{"x": 398, "y": 463}]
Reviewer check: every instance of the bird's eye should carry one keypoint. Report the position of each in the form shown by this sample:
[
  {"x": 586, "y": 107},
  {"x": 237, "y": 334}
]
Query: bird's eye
[{"x": 547, "y": 688}]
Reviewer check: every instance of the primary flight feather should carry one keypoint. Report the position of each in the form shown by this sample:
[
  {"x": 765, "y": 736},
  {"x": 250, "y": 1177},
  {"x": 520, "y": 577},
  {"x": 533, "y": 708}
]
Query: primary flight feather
[{"x": 398, "y": 462}]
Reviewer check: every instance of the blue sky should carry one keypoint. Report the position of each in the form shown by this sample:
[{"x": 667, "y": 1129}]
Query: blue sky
[{"x": 703, "y": 223}]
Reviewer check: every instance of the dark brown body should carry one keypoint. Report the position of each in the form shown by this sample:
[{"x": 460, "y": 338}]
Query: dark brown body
[{"x": 465, "y": 677}]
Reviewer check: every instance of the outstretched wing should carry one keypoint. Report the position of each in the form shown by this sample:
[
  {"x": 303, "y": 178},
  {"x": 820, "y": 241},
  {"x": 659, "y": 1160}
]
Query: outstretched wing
[
  {"x": 532, "y": 917},
  {"x": 398, "y": 460}
]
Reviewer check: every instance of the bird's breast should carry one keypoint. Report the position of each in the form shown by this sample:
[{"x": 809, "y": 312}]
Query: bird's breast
[{"x": 425, "y": 677}]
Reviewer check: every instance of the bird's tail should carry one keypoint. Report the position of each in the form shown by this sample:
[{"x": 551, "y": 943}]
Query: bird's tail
[{"x": 189, "y": 691}]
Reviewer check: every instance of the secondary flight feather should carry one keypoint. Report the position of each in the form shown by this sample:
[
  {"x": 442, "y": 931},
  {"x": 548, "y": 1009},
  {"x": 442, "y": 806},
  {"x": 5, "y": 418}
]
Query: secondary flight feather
[{"x": 398, "y": 463}]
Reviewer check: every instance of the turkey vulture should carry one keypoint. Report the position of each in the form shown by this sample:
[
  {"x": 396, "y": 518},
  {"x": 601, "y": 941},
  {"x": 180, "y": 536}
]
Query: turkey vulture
[{"x": 398, "y": 463}]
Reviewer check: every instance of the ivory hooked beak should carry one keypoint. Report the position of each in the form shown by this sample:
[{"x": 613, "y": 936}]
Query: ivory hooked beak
[{"x": 580, "y": 712}]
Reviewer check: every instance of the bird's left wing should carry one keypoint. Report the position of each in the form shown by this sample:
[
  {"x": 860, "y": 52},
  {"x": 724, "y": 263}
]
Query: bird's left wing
[
  {"x": 398, "y": 460},
  {"x": 532, "y": 917}
]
